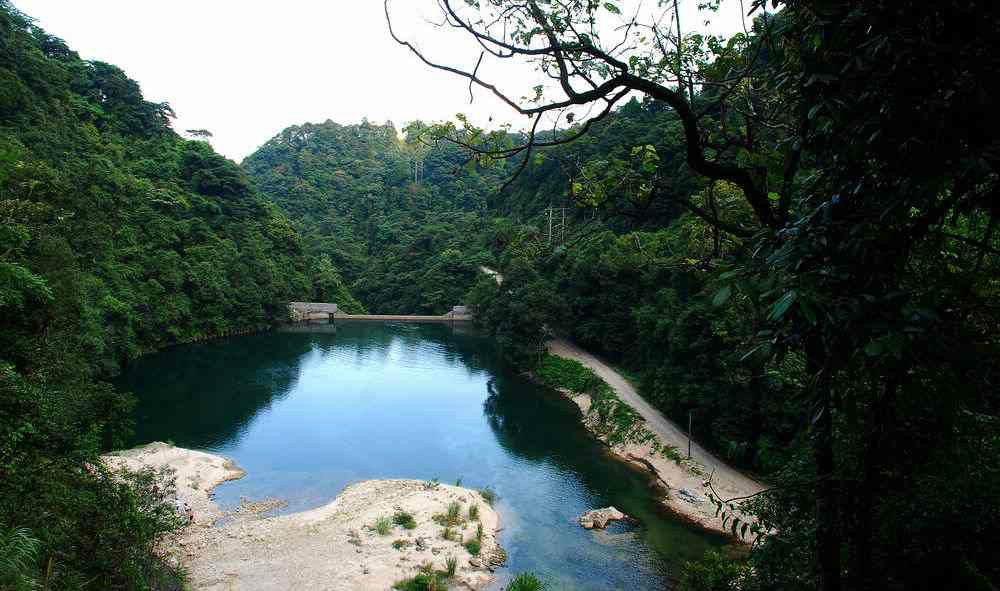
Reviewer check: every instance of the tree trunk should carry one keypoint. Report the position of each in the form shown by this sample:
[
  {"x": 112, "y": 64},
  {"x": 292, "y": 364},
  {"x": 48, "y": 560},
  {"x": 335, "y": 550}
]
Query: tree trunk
[{"x": 827, "y": 534}]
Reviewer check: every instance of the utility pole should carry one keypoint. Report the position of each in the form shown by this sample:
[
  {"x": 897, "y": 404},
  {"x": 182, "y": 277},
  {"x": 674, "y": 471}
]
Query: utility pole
[{"x": 689, "y": 434}]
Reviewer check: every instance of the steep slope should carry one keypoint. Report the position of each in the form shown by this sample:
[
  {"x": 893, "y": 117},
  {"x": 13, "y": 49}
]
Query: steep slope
[{"x": 117, "y": 237}]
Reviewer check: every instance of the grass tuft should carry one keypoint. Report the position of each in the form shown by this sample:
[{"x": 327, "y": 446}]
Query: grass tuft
[
  {"x": 383, "y": 525},
  {"x": 473, "y": 546},
  {"x": 451, "y": 564},
  {"x": 474, "y": 512},
  {"x": 525, "y": 582},
  {"x": 488, "y": 495},
  {"x": 454, "y": 513},
  {"x": 404, "y": 519},
  {"x": 479, "y": 532},
  {"x": 400, "y": 544}
]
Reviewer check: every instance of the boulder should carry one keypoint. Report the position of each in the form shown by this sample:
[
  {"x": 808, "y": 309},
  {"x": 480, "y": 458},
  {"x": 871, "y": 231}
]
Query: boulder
[{"x": 599, "y": 518}]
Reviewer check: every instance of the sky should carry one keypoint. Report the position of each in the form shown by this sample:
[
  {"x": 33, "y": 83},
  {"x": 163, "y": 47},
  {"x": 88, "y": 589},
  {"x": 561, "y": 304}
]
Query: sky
[{"x": 246, "y": 69}]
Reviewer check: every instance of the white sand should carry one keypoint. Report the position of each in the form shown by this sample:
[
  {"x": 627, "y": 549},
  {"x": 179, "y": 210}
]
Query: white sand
[{"x": 331, "y": 547}]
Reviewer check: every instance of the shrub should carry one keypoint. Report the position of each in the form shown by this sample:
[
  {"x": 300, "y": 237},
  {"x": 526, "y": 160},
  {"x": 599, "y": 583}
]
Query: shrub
[
  {"x": 452, "y": 565},
  {"x": 421, "y": 582},
  {"x": 479, "y": 532},
  {"x": 454, "y": 514},
  {"x": 712, "y": 572},
  {"x": 525, "y": 582},
  {"x": 474, "y": 512},
  {"x": 473, "y": 546},
  {"x": 488, "y": 495},
  {"x": 400, "y": 544},
  {"x": 404, "y": 519},
  {"x": 18, "y": 552},
  {"x": 383, "y": 525}
]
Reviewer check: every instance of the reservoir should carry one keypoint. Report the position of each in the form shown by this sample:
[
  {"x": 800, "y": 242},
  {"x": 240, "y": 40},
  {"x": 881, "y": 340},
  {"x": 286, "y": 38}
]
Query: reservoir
[{"x": 310, "y": 408}]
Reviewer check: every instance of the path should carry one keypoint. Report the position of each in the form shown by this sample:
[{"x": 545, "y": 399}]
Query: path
[{"x": 728, "y": 481}]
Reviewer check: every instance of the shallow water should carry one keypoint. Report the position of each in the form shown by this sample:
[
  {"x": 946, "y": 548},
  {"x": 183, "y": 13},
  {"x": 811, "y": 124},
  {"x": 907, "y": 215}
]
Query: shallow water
[{"x": 311, "y": 408}]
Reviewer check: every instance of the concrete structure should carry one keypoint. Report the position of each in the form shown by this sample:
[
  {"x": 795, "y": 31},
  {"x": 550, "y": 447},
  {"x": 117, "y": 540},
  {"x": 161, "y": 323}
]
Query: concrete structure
[{"x": 300, "y": 311}]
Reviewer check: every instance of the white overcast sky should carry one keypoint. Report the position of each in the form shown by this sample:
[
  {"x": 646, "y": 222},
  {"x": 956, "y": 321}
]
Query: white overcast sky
[{"x": 247, "y": 69}]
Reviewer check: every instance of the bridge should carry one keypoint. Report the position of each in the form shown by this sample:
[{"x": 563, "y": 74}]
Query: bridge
[{"x": 300, "y": 311}]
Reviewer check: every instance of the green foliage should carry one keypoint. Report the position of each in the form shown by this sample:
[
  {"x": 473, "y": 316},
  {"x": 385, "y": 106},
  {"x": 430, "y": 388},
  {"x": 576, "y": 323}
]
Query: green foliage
[
  {"x": 404, "y": 519},
  {"x": 451, "y": 564},
  {"x": 426, "y": 580},
  {"x": 400, "y": 544},
  {"x": 474, "y": 512},
  {"x": 713, "y": 572},
  {"x": 383, "y": 525},
  {"x": 488, "y": 495},
  {"x": 18, "y": 556},
  {"x": 397, "y": 223},
  {"x": 525, "y": 582},
  {"x": 117, "y": 237},
  {"x": 473, "y": 546},
  {"x": 453, "y": 514}
]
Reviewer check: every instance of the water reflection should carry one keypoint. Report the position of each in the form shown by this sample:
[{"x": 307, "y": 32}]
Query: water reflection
[{"x": 312, "y": 408}]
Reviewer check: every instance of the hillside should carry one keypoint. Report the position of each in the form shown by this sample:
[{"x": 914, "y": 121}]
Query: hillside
[{"x": 400, "y": 220}]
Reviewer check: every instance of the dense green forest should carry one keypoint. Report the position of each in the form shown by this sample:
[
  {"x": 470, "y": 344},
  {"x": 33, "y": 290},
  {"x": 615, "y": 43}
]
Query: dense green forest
[
  {"x": 118, "y": 237},
  {"x": 818, "y": 288},
  {"x": 400, "y": 220},
  {"x": 790, "y": 237}
]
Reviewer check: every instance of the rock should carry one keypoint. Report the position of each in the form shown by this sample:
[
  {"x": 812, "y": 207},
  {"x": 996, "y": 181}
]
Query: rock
[
  {"x": 600, "y": 517},
  {"x": 474, "y": 562},
  {"x": 687, "y": 496}
]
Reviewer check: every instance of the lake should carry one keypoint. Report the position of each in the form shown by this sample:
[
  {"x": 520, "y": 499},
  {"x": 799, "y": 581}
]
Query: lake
[{"x": 311, "y": 408}]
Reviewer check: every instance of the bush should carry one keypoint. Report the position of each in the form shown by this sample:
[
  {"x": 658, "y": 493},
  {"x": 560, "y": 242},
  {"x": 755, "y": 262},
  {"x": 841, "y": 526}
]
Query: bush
[
  {"x": 713, "y": 572},
  {"x": 488, "y": 495},
  {"x": 525, "y": 582},
  {"x": 474, "y": 512},
  {"x": 473, "y": 546},
  {"x": 404, "y": 519},
  {"x": 383, "y": 525}
]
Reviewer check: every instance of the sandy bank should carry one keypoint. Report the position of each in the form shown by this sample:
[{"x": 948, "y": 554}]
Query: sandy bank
[
  {"x": 330, "y": 547},
  {"x": 687, "y": 496}
]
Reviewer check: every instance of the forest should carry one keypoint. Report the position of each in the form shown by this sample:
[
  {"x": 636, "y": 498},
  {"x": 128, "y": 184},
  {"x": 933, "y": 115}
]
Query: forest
[{"x": 788, "y": 238}]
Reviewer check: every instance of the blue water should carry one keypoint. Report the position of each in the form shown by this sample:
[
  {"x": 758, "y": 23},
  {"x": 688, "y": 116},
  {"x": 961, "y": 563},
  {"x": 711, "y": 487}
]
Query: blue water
[{"x": 312, "y": 408}]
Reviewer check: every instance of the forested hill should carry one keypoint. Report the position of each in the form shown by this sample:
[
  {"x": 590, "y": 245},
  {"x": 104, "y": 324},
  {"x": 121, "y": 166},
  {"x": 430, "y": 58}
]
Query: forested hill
[
  {"x": 117, "y": 237},
  {"x": 402, "y": 221}
]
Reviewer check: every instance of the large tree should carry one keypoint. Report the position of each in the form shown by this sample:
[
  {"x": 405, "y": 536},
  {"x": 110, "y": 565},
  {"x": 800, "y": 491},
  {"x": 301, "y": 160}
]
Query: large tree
[{"x": 864, "y": 140}]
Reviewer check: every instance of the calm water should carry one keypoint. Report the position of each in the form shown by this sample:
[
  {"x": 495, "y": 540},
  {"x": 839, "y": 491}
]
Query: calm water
[{"x": 312, "y": 408}]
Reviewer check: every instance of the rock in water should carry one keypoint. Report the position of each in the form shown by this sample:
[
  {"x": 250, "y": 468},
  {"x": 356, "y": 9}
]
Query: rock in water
[{"x": 599, "y": 518}]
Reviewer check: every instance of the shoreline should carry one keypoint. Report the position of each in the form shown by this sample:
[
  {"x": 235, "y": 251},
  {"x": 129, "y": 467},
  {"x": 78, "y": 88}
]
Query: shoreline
[
  {"x": 334, "y": 546},
  {"x": 684, "y": 480}
]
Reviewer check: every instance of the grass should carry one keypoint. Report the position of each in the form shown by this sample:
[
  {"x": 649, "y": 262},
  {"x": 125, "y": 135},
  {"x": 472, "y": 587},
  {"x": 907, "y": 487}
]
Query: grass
[
  {"x": 432, "y": 484},
  {"x": 449, "y": 534},
  {"x": 400, "y": 544},
  {"x": 474, "y": 512},
  {"x": 429, "y": 579},
  {"x": 454, "y": 514},
  {"x": 525, "y": 582},
  {"x": 473, "y": 546},
  {"x": 404, "y": 519},
  {"x": 488, "y": 495},
  {"x": 458, "y": 481},
  {"x": 479, "y": 532},
  {"x": 383, "y": 525}
]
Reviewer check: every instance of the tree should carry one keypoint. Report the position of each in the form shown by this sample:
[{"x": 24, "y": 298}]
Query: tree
[{"x": 873, "y": 244}]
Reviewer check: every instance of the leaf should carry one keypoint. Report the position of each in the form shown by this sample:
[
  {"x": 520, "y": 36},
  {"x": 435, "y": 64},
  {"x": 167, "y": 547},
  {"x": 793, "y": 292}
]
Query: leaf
[
  {"x": 783, "y": 304},
  {"x": 874, "y": 349},
  {"x": 612, "y": 8},
  {"x": 722, "y": 296}
]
